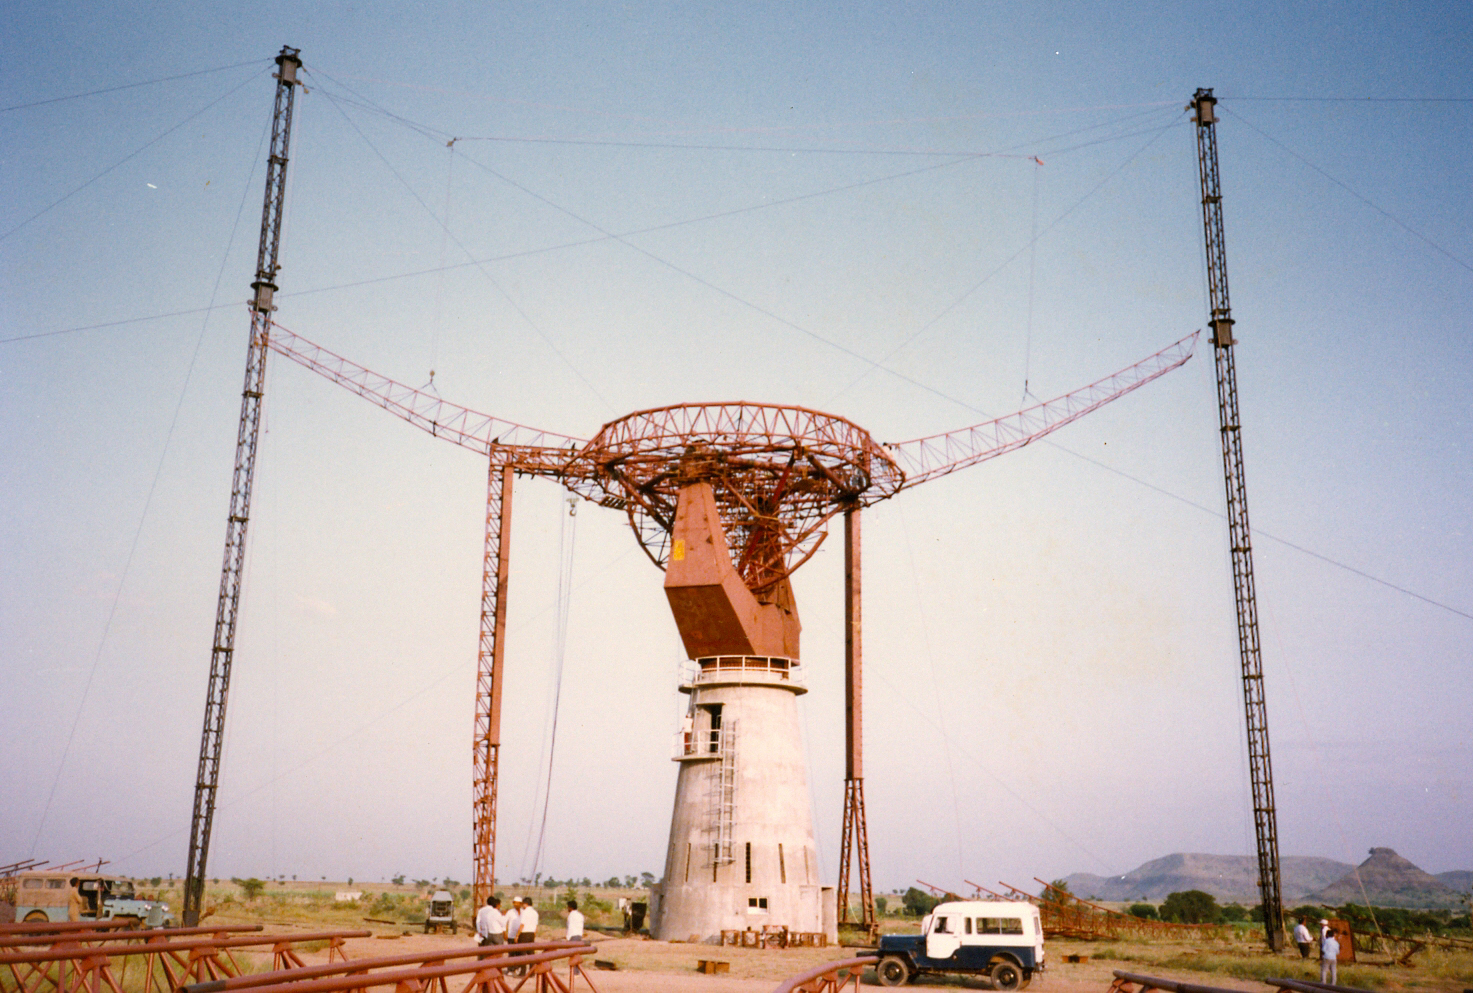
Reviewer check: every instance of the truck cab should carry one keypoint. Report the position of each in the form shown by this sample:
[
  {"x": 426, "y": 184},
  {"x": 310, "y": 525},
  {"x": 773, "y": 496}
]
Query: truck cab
[
  {"x": 47, "y": 896},
  {"x": 1000, "y": 939}
]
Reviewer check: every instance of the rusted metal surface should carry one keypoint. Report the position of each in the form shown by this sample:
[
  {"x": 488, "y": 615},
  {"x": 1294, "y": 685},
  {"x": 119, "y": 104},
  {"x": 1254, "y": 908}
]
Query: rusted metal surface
[
  {"x": 1130, "y": 982},
  {"x": 71, "y": 968},
  {"x": 63, "y": 927},
  {"x": 537, "y": 967},
  {"x": 89, "y": 934},
  {"x": 829, "y": 977},
  {"x": 486, "y": 734},
  {"x": 355, "y": 966},
  {"x": 855, "y": 834},
  {"x": 776, "y": 476}
]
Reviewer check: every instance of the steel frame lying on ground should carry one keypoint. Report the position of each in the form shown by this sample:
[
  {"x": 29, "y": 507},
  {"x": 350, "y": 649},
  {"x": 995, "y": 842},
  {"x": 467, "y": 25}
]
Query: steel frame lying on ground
[
  {"x": 89, "y": 970},
  {"x": 831, "y": 977},
  {"x": 489, "y": 971}
]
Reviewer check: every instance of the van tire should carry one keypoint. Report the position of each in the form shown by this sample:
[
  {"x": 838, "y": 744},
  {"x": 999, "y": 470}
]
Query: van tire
[
  {"x": 1006, "y": 976},
  {"x": 37, "y": 916},
  {"x": 892, "y": 970}
]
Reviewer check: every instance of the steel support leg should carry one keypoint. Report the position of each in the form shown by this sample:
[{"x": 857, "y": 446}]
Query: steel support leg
[
  {"x": 487, "y": 744},
  {"x": 855, "y": 836}
]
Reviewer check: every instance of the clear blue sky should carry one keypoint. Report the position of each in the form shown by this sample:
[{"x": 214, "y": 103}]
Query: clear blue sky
[{"x": 1050, "y": 637}]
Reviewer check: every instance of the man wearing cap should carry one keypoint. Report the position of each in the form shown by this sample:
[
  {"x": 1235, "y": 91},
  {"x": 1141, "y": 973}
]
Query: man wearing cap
[
  {"x": 1301, "y": 937},
  {"x": 1329, "y": 958}
]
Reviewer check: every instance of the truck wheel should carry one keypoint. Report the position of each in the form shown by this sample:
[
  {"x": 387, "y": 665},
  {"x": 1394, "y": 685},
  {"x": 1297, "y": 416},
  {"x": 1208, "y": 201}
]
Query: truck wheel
[
  {"x": 1006, "y": 976},
  {"x": 892, "y": 971},
  {"x": 36, "y": 916}
]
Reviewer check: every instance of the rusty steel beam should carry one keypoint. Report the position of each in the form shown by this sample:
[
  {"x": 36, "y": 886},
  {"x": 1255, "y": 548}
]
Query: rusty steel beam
[
  {"x": 124, "y": 932},
  {"x": 855, "y": 833},
  {"x": 831, "y": 977},
  {"x": 62, "y": 927},
  {"x": 275, "y": 978},
  {"x": 69, "y": 968},
  {"x": 486, "y": 733},
  {"x": 488, "y": 972}
]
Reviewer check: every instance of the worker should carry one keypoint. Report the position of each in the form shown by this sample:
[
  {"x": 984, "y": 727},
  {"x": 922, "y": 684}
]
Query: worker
[
  {"x": 528, "y": 932},
  {"x": 575, "y": 922},
  {"x": 74, "y": 902},
  {"x": 514, "y": 920},
  {"x": 1301, "y": 937},
  {"x": 491, "y": 923},
  {"x": 1329, "y": 959}
]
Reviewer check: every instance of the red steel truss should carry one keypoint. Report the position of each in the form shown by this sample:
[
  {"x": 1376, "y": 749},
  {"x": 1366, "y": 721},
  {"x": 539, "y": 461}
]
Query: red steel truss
[{"x": 779, "y": 474}]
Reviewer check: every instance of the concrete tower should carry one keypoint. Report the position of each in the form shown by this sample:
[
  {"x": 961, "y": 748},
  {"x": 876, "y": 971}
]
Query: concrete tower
[{"x": 741, "y": 852}]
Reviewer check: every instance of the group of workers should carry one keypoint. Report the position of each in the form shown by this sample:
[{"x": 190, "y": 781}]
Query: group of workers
[
  {"x": 518, "y": 926},
  {"x": 1329, "y": 948}
]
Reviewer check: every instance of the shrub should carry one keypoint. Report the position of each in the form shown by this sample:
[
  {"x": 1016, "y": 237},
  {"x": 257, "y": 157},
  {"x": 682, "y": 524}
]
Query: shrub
[
  {"x": 1144, "y": 911},
  {"x": 918, "y": 903},
  {"x": 1190, "y": 907}
]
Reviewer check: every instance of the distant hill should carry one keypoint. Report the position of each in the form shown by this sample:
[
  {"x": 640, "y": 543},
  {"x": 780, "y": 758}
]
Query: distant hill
[
  {"x": 1230, "y": 878},
  {"x": 1388, "y": 880},
  {"x": 1460, "y": 880}
]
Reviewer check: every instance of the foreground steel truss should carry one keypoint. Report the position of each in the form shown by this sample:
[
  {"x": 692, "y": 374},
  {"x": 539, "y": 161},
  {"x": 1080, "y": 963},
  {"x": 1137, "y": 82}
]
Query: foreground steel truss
[
  {"x": 82, "y": 962},
  {"x": 779, "y": 475}
]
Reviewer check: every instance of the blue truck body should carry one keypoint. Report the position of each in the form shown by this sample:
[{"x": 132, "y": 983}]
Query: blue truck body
[{"x": 998, "y": 939}]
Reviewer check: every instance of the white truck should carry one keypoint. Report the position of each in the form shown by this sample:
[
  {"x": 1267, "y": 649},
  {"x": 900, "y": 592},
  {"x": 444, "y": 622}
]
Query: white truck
[{"x": 999, "y": 939}]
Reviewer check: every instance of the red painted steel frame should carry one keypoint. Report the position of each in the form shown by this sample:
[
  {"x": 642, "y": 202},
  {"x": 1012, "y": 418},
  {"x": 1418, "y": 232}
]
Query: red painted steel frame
[
  {"x": 80, "y": 969},
  {"x": 779, "y": 474},
  {"x": 831, "y": 977}
]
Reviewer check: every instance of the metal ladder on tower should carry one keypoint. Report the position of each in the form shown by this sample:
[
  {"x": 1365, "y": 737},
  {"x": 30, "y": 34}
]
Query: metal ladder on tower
[{"x": 722, "y": 805}]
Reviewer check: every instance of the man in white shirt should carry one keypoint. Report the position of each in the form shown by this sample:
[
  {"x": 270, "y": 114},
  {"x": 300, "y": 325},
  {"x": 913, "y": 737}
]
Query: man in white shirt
[
  {"x": 491, "y": 923},
  {"x": 575, "y": 921},
  {"x": 529, "y": 920},
  {"x": 1302, "y": 939},
  {"x": 514, "y": 920},
  {"x": 1329, "y": 959}
]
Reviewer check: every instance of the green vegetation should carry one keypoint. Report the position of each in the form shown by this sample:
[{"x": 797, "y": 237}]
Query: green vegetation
[
  {"x": 251, "y": 887},
  {"x": 919, "y": 903},
  {"x": 1191, "y": 907},
  {"x": 1144, "y": 911}
]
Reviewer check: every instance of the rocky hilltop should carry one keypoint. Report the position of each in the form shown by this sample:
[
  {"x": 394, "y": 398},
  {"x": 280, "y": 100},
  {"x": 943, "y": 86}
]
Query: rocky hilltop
[{"x": 1389, "y": 881}]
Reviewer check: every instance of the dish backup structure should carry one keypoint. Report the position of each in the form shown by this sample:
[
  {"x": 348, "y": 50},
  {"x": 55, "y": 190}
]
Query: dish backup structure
[{"x": 728, "y": 499}]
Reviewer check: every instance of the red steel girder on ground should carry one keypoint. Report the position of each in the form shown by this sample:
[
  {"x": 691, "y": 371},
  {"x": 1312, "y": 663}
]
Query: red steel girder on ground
[
  {"x": 70, "y": 968},
  {"x": 831, "y": 977},
  {"x": 543, "y": 965}
]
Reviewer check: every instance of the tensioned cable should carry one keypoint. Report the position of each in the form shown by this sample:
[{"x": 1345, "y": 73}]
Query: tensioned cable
[
  {"x": 1348, "y": 189},
  {"x": 582, "y": 242},
  {"x": 461, "y": 245},
  {"x": 880, "y": 364},
  {"x": 130, "y": 86},
  {"x": 130, "y": 155},
  {"x": 1355, "y": 99},
  {"x": 374, "y": 722},
  {"x": 148, "y": 499},
  {"x": 567, "y": 538}
]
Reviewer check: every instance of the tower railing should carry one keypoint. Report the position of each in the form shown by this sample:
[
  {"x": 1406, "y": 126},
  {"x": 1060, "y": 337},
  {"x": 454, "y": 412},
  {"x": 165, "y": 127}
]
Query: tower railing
[{"x": 741, "y": 669}]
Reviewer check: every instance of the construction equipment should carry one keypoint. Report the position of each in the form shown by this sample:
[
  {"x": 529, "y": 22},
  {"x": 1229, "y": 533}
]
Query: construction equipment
[
  {"x": 441, "y": 913},
  {"x": 1265, "y": 819}
]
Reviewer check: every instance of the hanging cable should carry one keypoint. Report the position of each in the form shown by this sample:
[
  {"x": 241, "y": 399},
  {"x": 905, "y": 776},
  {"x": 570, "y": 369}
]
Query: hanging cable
[
  {"x": 567, "y": 538},
  {"x": 1032, "y": 260}
]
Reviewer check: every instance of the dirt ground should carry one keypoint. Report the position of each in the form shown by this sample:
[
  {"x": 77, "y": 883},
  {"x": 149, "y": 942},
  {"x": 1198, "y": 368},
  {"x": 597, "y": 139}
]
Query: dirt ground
[{"x": 670, "y": 967}]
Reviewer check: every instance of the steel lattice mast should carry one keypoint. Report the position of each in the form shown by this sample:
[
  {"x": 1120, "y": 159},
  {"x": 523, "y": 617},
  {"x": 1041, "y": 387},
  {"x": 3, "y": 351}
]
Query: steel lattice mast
[
  {"x": 223, "y": 650},
  {"x": 855, "y": 837},
  {"x": 1265, "y": 819}
]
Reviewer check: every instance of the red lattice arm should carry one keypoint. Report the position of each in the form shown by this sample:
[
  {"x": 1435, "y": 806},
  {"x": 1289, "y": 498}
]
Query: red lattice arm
[
  {"x": 538, "y": 450},
  {"x": 923, "y": 459}
]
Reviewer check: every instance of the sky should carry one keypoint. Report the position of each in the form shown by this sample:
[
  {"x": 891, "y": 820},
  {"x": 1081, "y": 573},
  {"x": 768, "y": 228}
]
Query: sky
[{"x": 912, "y": 216}]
